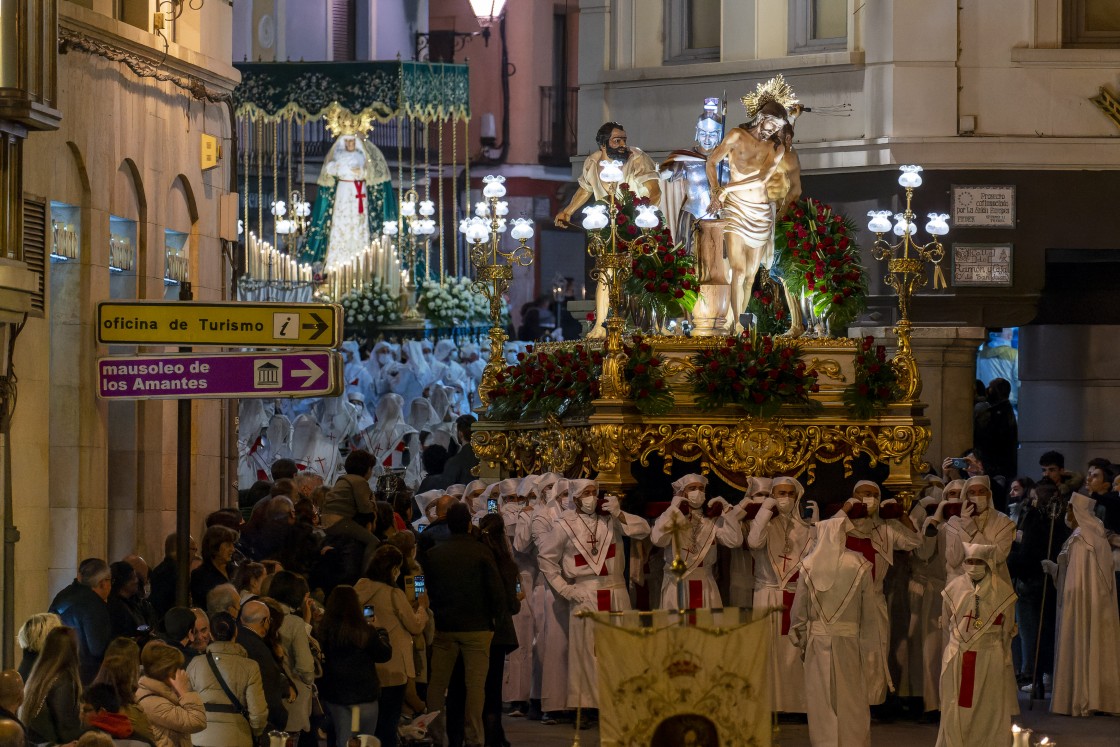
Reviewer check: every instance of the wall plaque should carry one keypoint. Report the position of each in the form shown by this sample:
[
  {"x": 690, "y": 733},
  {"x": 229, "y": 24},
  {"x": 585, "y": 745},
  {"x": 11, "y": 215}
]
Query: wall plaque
[
  {"x": 982, "y": 264},
  {"x": 984, "y": 206}
]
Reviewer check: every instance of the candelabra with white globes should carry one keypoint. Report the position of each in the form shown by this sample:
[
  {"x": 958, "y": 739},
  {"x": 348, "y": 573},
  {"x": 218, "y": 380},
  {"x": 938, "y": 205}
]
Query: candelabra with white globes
[
  {"x": 495, "y": 265},
  {"x": 274, "y": 265},
  {"x": 419, "y": 227},
  {"x": 613, "y": 266},
  {"x": 906, "y": 269}
]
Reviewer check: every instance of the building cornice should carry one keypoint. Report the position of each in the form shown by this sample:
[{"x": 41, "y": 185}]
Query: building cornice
[{"x": 94, "y": 33}]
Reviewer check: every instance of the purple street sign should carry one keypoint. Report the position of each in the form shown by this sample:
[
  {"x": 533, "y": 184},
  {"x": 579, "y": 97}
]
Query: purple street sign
[{"x": 220, "y": 375}]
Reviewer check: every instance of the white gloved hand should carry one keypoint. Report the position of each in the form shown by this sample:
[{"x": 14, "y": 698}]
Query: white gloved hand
[
  {"x": 814, "y": 511},
  {"x": 722, "y": 502},
  {"x": 967, "y": 510},
  {"x": 612, "y": 505},
  {"x": 770, "y": 505},
  {"x": 1050, "y": 568},
  {"x": 939, "y": 513}
]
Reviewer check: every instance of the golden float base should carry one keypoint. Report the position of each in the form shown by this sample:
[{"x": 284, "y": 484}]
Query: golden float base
[{"x": 727, "y": 442}]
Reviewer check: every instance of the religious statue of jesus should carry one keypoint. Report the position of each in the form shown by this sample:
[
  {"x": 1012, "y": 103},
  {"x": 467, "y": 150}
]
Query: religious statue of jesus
[{"x": 763, "y": 175}]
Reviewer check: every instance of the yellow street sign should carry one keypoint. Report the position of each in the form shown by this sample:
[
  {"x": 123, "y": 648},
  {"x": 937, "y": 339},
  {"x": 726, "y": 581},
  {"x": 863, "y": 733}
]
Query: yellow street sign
[{"x": 228, "y": 324}]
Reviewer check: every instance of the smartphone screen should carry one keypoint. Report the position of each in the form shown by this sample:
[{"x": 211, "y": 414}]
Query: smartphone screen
[
  {"x": 368, "y": 611},
  {"x": 491, "y": 505},
  {"x": 418, "y": 584}
]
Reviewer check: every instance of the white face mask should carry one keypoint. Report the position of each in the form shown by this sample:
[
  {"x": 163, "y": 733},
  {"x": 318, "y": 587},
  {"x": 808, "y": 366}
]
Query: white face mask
[
  {"x": 695, "y": 497},
  {"x": 785, "y": 503},
  {"x": 982, "y": 502},
  {"x": 384, "y": 359},
  {"x": 587, "y": 502},
  {"x": 871, "y": 502},
  {"x": 976, "y": 572}
]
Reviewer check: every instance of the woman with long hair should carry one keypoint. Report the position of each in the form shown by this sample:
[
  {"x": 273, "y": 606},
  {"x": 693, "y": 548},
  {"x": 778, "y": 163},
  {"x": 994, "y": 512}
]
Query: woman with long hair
[
  {"x": 292, "y": 595},
  {"x": 402, "y": 619},
  {"x": 493, "y": 535},
  {"x": 120, "y": 669},
  {"x": 164, "y": 694},
  {"x": 352, "y": 647},
  {"x": 51, "y": 710},
  {"x": 31, "y": 637}
]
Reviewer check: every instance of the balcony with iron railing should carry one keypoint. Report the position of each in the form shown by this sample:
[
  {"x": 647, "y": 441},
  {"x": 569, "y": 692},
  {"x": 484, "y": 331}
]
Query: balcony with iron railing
[{"x": 558, "y": 125}]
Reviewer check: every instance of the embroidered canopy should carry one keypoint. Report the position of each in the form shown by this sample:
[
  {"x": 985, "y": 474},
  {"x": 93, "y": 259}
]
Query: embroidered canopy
[{"x": 424, "y": 91}]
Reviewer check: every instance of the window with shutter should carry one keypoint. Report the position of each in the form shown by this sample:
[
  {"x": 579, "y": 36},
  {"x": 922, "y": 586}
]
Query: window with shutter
[
  {"x": 35, "y": 247},
  {"x": 343, "y": 36}
]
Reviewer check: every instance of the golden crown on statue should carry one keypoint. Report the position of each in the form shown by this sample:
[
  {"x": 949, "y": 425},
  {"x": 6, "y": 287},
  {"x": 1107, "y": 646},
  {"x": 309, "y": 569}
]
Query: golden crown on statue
[
  {"x": 682, "y": 664},
  {"x": 340, "y": 121},
  {"x": 776, "y": 89}
]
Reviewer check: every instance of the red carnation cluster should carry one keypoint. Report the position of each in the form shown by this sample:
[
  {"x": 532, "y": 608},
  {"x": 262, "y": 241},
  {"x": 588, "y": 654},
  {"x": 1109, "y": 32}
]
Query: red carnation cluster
[
  {"x": 760, "y": 376},
  {"x": 875, "y": 384},
  {"x": 646, "y": 377},
  {"x": 554, "y": 382}
]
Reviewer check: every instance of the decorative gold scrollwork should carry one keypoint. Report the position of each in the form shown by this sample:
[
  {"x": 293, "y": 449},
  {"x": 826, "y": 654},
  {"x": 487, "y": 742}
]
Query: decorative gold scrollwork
[{"x": 827, "y": 367}]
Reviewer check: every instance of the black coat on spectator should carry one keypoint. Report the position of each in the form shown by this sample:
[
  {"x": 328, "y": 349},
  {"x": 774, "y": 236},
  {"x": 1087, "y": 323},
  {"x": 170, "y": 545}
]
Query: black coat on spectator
[
  {"x": 464, "y": 589},
  {"x": 163, "y": 579},
  {"x": 272, "y": 676},
  {"x": 81, "y": 609},
  {"x": 349, "y": 674}
]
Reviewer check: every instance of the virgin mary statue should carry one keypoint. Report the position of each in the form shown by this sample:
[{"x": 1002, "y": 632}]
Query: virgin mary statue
[{"x": 355, "y": 198}]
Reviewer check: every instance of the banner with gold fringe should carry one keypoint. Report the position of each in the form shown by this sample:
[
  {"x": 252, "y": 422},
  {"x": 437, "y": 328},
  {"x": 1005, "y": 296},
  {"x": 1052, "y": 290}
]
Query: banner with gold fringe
[{"x": 702, "y": 684}]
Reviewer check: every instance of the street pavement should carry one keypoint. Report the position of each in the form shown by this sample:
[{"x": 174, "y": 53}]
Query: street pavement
[{"x": 1099, "y": 731}]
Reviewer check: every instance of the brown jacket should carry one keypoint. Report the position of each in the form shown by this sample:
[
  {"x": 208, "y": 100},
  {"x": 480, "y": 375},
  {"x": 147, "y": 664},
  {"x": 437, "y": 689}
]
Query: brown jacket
[{"x": 173, "y": 719}]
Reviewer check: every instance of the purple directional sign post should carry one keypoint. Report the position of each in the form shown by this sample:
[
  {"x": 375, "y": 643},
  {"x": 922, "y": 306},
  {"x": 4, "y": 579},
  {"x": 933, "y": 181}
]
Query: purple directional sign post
[{"x": 220, "y": 375}]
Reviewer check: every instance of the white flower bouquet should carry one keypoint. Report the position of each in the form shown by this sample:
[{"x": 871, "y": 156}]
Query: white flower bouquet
[
  {"x": 371, "y": 304},
  {"x": 452, "y": 303}
]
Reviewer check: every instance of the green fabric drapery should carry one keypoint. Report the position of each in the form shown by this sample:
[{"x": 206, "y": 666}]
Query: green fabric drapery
[{"x": 424, "y": 91}]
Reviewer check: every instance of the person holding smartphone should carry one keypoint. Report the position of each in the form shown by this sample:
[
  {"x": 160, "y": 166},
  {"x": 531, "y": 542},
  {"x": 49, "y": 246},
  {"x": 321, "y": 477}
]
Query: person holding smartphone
[{"x": 401, "y": 618}]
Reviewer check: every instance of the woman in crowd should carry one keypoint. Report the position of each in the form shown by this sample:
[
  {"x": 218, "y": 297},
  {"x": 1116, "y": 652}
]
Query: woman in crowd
[
  {"x": 226, "y": 666},
  {"x": 402, "y": 619},
  {"x": 352, "y": 646},
  {"x": 120, "y": 669},
  {"x": 405, "y": 542},
  {"x": 247, "y": 580},
  {"x": 31, "y": 638},
  {"x": 217, "y": 551},
  {"x": 164, "y": 694},
  {"x": 50, "y": 710},
  {"x": 493, "y": 530},
  {"x": 291, "y": 592}
]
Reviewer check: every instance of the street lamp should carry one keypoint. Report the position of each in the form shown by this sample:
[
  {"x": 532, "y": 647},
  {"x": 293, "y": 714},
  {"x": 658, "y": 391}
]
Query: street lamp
[{"x": 906, "y": 269}]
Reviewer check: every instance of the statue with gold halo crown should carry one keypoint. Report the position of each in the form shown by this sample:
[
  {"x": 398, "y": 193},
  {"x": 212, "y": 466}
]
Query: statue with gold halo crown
[
  {"x": 764, "y": 174},
  {"x": 355, "y": 196}
]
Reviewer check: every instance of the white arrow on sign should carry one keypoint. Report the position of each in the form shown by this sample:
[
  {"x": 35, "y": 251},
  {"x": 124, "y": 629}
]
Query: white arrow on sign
[{"x": 310, "y": 374}]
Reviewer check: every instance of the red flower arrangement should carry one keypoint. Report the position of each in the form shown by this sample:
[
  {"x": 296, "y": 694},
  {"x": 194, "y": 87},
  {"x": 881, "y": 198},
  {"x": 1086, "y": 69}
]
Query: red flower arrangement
[
  {"x": 817, "y": 255},
  {"x": 875, "y": 384},
  {"x": 646, "y": 375},
  {"x": 760, "y": 377},
  {"x": 560, "y": 382},
  {"x": 663, "y": 274}
]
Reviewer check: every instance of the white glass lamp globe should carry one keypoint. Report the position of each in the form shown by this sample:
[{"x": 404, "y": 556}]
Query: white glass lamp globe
[
  {"x": 502, "y": 208},
  {"x": 938, "y": 224},
  {"x": 646, "y": 217},
  {"x": 522, "y": 229},
  {"x": 610, "y": 172},
  {"x": 595, "y": 217},
  {"x": 901, "y": 226},
  {"x": 880, "y": 221},
  {"x": 427, "y": 208},
  {"x": 279, "y": 208},
  {"x": 303, "y": 209},
  {"x": 284, "y": 226},
  {"x": 408, "y": 209},
  {"x": 911, "y": 177},
  {"x": 477, "y": 230},
  {"x": 389, "y": 229},
  {"x": 495, "y": 186},
  {"x": 482, "y": 209}
]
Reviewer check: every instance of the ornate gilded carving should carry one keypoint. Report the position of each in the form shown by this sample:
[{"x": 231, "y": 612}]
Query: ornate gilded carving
[{"x": 827, "y": 367}]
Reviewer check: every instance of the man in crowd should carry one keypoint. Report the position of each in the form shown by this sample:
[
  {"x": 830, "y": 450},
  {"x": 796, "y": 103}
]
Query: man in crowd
[
  {"x": 83, "y": 606},
  {"x": 255, "y": 619},
  {"x": 183, "y": 629},
  {"x": 457, "y": 470},
  {"x": 465, "y": 594},
  {"x": 165, "y": 575}
]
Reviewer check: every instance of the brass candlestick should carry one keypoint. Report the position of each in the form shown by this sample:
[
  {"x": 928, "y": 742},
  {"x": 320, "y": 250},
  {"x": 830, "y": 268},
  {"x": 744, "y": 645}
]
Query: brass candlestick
[
  {"x": 906, "y": 272},
  {"x": 495, "y": 269}
]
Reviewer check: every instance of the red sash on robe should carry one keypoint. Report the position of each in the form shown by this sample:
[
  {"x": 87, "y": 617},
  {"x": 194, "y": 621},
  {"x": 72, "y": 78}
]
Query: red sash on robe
[
  {"x": 602, "y": 596},
  {"x": 864, "y": 547},
  {"x": 787, "y": 605},
  {"x": 359, "y": 187},
  {"x": 968, "y": 673}
]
